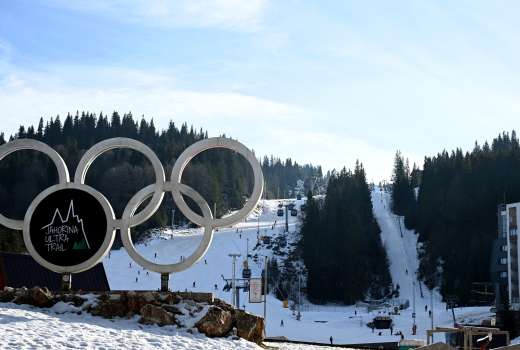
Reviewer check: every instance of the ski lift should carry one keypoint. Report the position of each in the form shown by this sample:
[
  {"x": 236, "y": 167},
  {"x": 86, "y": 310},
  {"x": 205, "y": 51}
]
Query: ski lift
[
  {"x": 246, "y": 273},
  {"x": 279, "y": 212},
  {"x": 299, "y": 197},
  {"x": 294, "y": 212}
]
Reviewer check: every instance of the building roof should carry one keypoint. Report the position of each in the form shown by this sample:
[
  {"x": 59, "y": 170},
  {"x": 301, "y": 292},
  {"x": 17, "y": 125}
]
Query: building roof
[{"x": 21, "y": 270}]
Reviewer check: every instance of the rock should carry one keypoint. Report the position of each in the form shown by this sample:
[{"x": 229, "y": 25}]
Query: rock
[
  {"x": 70, "y": 298},
  {"x": 223, "y": 305},
  {"x": 249, "y": 327},
  {"x": 151, "y": 314},
  {"x": 172, "y": 299},
  {"x": 39, "y": 297},
  {"x": 172, "y": 309},
  {"x": 110, "y": 307},
  {"x": 135, "y": 302},
  {"x": 7, "y": 295},
  {"x": 216, "y": 323}
]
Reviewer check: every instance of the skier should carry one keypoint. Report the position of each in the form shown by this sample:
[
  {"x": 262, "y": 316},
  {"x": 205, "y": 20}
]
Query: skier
[
  {"x": 155, "y": 255},
  {"x": 407, "y": 271},
  {"x": 147, "y": 274},
  {"x": 136, "y": 280},
  {"x": 205, "y": 262},
  {"x": 138, "y": 272},
  {"x": 216, "y": 287},
  {"x": 391, "y": 330},
  {"x": 240, "y": 236},
  {"x": 425, "y": 308},
  {"x": 281, "y": 323},
  {"x": 193, "y": 284},
  {"x": 331, "y": 340},
  {"x": 414, "y": 329},
  {"x": 355, "y": 312},
  {"x": 130, "y": 265}
]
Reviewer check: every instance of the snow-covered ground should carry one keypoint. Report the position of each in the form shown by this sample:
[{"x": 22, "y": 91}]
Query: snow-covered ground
[
  {"x": 346, "y": 324},
  {"x": 25, "y": 327}
]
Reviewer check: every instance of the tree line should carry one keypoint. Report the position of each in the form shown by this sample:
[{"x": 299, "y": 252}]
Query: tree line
[
  {"x": 455, "y": 213},
  {"x": 342, "y": 247},
  {"x": 222, "y": 177}
]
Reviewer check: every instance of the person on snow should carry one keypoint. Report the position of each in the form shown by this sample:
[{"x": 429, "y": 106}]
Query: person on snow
[
  {"x": 155, "y": 255},
  {"x": 281, "y": 323},
  {"x": 216, "y": 287},
  {"x": 331, "y": 340},
  {"x": 136, "y": 280},
  {"x": 193, "y": 284}
]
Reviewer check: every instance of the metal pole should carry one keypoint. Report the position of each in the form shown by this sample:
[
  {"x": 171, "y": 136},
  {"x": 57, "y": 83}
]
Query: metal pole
[
  {"x": 265, "y": 294},
  {"x": 165, "y": 277},
  {"x": 431, "y": 308},
  {"x": 233, "y": 284},
  {"x": 173, "y": 218},
  {"x": 258, "y": 223},
  {"x": 247, "y": 252},
  {"x": 66, "y": 282},
  {"x": 299, "y": 295},
  {"x": 414, "y": 303},
  {"x": 286, "y": 219}
]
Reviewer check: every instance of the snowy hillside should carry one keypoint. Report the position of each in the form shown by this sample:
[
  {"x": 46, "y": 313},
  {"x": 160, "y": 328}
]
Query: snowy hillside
[
  {"x": 346, "y": 324},
  {"x": 26, "y": 327}
]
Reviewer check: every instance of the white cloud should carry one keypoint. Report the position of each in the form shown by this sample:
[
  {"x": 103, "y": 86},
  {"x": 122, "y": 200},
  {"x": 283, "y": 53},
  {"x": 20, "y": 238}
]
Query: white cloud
[
  {"x": 231, "y": 14},
  {"x": 25, "y": 96}
]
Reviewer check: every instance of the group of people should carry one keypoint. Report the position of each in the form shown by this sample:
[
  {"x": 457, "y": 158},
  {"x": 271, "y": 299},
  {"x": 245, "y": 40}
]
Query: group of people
[{"x": 139, "y": 271}]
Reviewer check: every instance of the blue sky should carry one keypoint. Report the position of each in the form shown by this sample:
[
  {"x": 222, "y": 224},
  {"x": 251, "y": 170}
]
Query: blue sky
[{"x": 326, "y": 82}]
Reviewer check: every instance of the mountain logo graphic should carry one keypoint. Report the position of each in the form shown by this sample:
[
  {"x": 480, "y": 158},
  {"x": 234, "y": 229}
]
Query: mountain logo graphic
[{"x": 68, "y": 228}]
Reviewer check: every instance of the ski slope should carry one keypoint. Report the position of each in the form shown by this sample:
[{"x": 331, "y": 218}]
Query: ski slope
[
  {"x": 346, "y": 324},
  {"x": 401, "y": 247}
]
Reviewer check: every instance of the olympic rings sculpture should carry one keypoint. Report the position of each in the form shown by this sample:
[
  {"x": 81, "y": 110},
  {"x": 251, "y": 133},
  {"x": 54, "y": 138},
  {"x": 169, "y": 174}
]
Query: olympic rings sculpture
[{"x": 129, "y": 218}]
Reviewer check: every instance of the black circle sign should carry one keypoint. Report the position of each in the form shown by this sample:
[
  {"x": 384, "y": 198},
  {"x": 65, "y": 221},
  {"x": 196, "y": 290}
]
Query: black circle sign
[{"x": 68, "y": 227}]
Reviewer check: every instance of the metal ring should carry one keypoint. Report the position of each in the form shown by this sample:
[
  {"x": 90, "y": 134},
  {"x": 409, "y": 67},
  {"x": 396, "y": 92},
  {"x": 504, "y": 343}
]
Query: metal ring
[
  {"x": 122, "y": 142},
  {"x": 29, "y": 144},
  {"x": 105, "y": 246},
  {"x": 203, "y": 145},
  {"x": 132, "y": 206}
]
